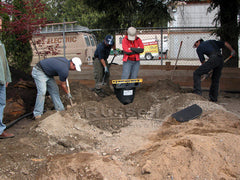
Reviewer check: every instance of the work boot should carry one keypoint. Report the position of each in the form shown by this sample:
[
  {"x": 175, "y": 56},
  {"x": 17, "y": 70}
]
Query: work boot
[
  {"x": 100, "y": 93},
  {"x": 6, "y": 135},
  {"x": 107, "y": 91},
  {"x": 213, "y": 100},
  {"x": 36, "y": 117}
]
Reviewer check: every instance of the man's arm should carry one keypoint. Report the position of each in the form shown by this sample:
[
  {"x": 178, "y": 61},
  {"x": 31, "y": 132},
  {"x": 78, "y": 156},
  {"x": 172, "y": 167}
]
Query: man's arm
[
  {"x": 140, "y": 47},
  {"x": 63, "y": 84},
  {"x": 100, "y": 56},
  {"x": 201, "y": 56},
  {"x": 233, "y": 53},
  {"x": 126, "y": 48},
  {"x": 137, "y": 50},
  {"x": 103, "y": 62}
]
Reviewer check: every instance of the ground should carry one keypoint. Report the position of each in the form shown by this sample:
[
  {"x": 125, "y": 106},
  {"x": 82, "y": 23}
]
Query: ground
[{"x": 100, "y": 138}]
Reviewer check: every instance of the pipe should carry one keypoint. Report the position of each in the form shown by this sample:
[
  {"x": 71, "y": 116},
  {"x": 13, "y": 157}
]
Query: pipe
[{"x": 18, "y": 119}]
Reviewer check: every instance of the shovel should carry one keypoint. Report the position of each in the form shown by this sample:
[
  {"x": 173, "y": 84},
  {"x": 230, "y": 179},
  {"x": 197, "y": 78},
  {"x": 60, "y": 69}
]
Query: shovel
[
  {"x": 177, "y": 59},
  {"x": 69, "y": 92}
]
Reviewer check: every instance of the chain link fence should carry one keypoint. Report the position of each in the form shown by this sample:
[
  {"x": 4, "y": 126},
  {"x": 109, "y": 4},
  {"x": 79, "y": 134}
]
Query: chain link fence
[{"x": 163, "y": 45}]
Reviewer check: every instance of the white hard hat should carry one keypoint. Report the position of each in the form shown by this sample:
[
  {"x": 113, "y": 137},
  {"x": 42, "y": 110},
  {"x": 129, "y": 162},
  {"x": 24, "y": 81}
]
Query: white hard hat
[{"x": 77, "y": 62}]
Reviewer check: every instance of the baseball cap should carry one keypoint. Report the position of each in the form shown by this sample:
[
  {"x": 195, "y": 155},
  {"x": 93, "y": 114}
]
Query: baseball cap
[
  {"x": 109, "y": 40},
  {"x": 132, "y": 33},
  {"x": 194, "y": 45},
  {"x": 77, "y": 62}
]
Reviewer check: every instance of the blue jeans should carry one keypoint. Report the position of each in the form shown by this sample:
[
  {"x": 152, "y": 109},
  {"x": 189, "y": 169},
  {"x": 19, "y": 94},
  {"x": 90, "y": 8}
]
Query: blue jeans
[
  {"x": 2, "y": 106},
  {"x": 45, "y": 83},
  {"x": 130, "y": 69}
]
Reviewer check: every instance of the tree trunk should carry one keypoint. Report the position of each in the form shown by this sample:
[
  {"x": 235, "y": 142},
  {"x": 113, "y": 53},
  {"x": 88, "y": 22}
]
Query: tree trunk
[{"x": 229, "y": 28}]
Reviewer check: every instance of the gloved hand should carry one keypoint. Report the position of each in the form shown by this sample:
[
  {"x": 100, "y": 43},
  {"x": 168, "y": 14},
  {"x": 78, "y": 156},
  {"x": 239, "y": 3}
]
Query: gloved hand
[
  {"x": 233, "y": 53},
  {"x": 69, "y": 96},
  {"x": 137, "y": 50},
  {"x": 115, "y": 52},
  {"x": 106, "y": 70},
  {"x": 205, "y": 76}
]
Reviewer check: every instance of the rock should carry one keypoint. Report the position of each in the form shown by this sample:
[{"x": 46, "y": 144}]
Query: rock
[{"x": 146, "y": 169}]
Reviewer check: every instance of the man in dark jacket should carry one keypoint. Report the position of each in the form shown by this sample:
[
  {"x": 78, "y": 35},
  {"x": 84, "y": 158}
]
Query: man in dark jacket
[
  {"x": 212, "y": 49},
  {"x": 101, "y": 66}
]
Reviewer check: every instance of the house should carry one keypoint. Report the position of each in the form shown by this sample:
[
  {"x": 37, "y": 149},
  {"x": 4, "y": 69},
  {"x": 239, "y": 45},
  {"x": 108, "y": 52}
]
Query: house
[{"x": 192, "y": 21}]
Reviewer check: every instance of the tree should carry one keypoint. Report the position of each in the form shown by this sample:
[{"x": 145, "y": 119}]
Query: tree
[
  {"x": 21, "y": 18},
  {"x": 83, "y": 14},
  {"x": 153, "y": 13},
  {"x": 229, "y": 29},
  {"x": 54, "y": 10},
  {"x": 125, "y": 13},
  {"x": 71, "y": 10}
]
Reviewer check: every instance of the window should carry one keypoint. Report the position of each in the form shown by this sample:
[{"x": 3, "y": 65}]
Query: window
[
  {"x": 87, "y": 40},
  {"x": 44, "y": 29},
  {"x": 92, "y": 41},
  {"x": 55, "y": 28},
  {"x": 120, "y": 40}
]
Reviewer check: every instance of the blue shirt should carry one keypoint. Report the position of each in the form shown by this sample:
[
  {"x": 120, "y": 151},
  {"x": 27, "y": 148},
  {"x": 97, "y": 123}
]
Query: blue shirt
[
  {"x": 102, "y": 51},
  {"x": 56, "y": 66},
  {"x": 209, "y": 48}
]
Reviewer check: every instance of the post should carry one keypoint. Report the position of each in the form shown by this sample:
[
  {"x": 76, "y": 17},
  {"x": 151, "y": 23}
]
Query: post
[
  {"x": 64, "y": 47},
  {"x": 161, "y": 46}
]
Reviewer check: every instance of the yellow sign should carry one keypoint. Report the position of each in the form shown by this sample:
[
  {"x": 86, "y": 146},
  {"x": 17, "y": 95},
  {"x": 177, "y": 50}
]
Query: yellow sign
[
  {"x": 151, "y": 47},
  {"x": 120, "y": 81}
]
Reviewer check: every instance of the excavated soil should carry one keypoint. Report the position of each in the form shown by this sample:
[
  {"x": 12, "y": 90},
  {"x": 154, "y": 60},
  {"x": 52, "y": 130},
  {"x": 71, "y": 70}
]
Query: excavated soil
[{"x": 100, "y": 138}]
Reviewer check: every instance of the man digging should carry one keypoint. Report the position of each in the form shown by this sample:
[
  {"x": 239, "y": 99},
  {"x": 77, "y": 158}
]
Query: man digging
[{"x": 43, "y": 74}]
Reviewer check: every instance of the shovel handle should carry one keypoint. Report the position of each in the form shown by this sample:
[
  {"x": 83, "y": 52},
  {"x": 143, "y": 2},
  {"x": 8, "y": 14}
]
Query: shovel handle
[
  {"x": 67, "y": 83},
  {"x": 180, "y": 46},
  {"x": 227, "y": 58}
]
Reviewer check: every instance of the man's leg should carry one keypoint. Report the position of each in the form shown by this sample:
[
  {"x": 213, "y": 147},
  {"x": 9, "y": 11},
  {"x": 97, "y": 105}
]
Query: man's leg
[
  {"x": 98, "y": 71},
  {"x": 3, "y": 133},
  {"x": 40, "y": 80},
  {"x": 214, "y": 88},
  {"x": 106, "y": 87},
  {"x": 135, "y": 69},
  {"x": 126, "y": 71},
  {"x": 203, "y": 69},
  {"x": 2, "y": 106},
  {"x": 98, "y": 76},
  {"x": 53, "y": 90}
]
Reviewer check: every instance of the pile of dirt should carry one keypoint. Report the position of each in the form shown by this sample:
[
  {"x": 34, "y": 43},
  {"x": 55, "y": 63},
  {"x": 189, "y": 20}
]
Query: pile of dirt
[
  {"x": 21, "y": 95},
  {"x": 205, "y": 148},
  {"x": 100, "y": 138}
]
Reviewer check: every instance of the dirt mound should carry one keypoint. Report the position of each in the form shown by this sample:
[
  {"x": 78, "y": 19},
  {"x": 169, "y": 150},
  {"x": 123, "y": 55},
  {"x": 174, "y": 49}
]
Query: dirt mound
[
  {"x": 21, "y": 95},
  {"x": 177, "y": 150},
  {"x": 205, "y": 148},
  {"x": 100, "y": 138}
]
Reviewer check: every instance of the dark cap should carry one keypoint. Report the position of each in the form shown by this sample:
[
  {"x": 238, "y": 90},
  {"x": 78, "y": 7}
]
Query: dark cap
[
  {"x": 109, "y": 40},
  {"x": 194, "y": 45}
]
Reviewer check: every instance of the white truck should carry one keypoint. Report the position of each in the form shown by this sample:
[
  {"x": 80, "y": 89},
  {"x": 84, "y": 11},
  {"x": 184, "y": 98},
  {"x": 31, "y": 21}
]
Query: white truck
[
  {"x": 152, "y": 44},
  {"x": 53, "y": 42}
]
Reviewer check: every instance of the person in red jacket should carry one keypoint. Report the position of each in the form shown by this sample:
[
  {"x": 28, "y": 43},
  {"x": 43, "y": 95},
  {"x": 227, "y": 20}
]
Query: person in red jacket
[{"x": 132, "y": 47}]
